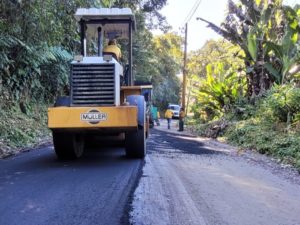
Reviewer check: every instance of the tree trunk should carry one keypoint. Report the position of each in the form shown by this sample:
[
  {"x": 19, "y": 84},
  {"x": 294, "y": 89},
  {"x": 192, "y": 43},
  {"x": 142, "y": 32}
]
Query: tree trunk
[
  {"x": 260, "y": 79},
  {"x": 249, "y": 76}
]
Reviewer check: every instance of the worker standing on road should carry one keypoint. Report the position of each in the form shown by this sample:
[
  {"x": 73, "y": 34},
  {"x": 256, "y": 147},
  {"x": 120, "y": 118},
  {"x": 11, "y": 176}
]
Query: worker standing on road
[
  {"x": 158, "y": 118},
  {"x": 113, "y": 48},
  {"x": 181, "y": 119},
  {"x": 168, "y": 116}
]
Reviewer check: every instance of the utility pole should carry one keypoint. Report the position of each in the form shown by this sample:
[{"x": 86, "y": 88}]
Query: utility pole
[{"x": 184, "y": 69}]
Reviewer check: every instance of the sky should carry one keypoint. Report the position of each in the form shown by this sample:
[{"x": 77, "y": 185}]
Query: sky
[{"x": 214, "y": 11}]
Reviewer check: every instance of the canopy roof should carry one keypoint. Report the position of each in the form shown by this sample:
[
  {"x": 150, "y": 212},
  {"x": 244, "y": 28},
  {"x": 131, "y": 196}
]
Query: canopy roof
[
  {"x": 113, "y": 21},
  {"x": 103, "y": 13}
]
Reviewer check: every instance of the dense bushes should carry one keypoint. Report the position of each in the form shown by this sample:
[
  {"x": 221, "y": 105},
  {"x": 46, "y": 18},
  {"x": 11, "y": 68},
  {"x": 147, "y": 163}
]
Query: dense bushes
[
  {"x": 274, "y": 128},
  {"x": 283, "y": 103},
  {"x": 37, "y": 72},
  {"x": 35, "y": 49}
]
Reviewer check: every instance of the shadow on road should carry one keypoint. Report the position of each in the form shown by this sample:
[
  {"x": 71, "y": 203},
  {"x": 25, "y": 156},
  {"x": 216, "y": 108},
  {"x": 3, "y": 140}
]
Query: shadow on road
[
  {"x": 93, "y": 158},
  {"x": 174, "y": 142}
]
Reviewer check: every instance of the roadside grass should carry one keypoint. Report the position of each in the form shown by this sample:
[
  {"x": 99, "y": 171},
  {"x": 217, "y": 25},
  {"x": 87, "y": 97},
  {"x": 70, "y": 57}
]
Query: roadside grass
[
  {"x": 273, "y": 139},
  {"x": 19, "y": 130}
]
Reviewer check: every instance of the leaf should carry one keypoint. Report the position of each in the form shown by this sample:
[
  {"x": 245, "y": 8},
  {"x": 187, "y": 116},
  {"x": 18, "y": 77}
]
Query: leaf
[
  {"x": 277, "y": 49},
  {"x": 298, "y": 12},
  {"x": 294, "y": 38},
  {"x": 266, "y": 15},
  {"x": 258, "y": 2},
  {"x": 287, "y": 42},
  {"x": 252, "y": 45},
  {"x": 276, "y": 74},
  {"x": 209, "y": 74}
]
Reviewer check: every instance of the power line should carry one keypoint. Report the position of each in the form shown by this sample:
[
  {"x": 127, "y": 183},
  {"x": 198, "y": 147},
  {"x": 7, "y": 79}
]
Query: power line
[
  {"x": 192, "y": 12},
  {"x": 184, "y": 72}
]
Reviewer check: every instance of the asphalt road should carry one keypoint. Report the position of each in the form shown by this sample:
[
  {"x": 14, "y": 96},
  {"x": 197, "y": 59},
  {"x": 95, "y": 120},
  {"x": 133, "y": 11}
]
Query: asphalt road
[
  {"x": 36, "y": 188},
  {"x": 183, "y": 180}
]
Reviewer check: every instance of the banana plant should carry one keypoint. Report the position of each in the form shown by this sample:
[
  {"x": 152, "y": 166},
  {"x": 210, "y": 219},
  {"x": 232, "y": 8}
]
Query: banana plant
[
  {"x": 253, "y": 25},
  {"x": 287, "y": 49},
  {"x": 221, "y": 88}
]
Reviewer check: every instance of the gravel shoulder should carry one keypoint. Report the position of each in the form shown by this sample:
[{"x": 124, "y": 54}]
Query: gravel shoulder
[{"x": 286, "y": 171}]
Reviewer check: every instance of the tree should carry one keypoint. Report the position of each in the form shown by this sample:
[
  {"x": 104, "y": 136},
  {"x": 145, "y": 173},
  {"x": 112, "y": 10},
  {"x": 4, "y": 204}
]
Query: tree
[
  {"x": 216, "y": 79},
  {"x": 167, "y": 49},
  {"x": 283, "y": 46},
  {"x": 37, "y": 38},
  {"x": 145, "y": 61},
  {"x": 150, "y": 10},
  {"x": 251, "y": 25}
]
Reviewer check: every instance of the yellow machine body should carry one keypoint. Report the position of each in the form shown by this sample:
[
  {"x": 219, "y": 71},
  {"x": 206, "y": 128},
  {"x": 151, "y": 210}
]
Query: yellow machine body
[
  {"x": 123, "y": 117},
  {"x": 92, "y": 117}
]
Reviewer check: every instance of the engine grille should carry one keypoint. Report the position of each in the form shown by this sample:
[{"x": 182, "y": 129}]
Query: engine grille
[{"x": 92, "y": 84}]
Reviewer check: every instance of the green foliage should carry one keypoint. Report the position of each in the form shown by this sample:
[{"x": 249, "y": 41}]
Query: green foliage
[
  {"x": 268, "y": 34},
  {"x": 166, "y": 92},
  {"x": 145, "y": 60},
  {"x": 38, "y": 72},
  {"x": 214, "y": 94},
  {"x": 273, "y": 128},
  {"x": 54, "y": 73},
  {"x": 252, "y": 45},
  {"x": 283, "y": 103},
  {"x": 266, "y": 138},
  {"x": 251, "y": 135},
  {"x": 168, "y": 54},
  {"x": 285, "y": 48},
  {"x": 35, "y": 46},
  {"x": 217, "y": 89},
  {"x": 267, "y": 31},
  {"x": 107, "y": 3}
]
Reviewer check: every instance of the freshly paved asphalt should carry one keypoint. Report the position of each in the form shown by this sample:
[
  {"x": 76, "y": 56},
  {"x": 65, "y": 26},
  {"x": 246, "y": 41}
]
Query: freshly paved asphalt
[{"x": 36, "y": 188}]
